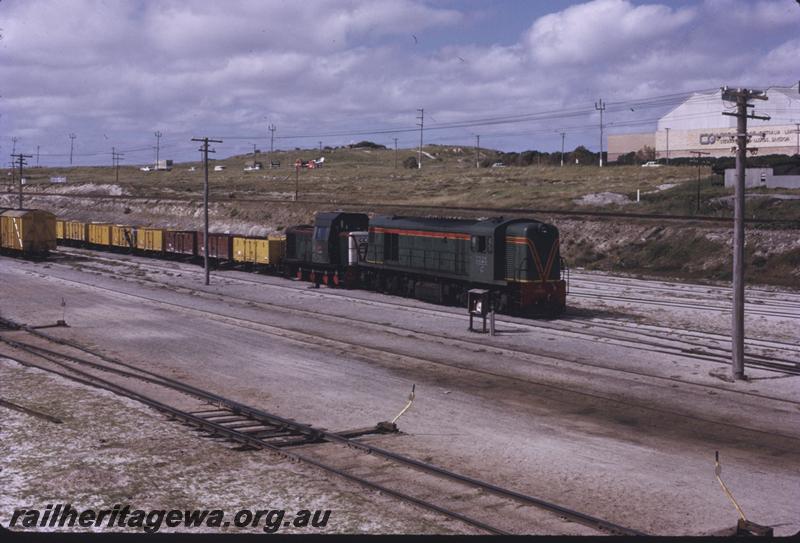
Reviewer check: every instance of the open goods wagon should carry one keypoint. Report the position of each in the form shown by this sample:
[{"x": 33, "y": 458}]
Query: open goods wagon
[
  {"x": 30, "y": 232},
  {"x": 267, "y": 252},
  {"x": 220, "y": 246}
]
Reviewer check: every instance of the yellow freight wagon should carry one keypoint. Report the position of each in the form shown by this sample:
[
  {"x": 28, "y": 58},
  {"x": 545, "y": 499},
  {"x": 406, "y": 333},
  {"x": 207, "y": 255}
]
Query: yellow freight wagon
[
  {"x": 123, "y": 236},
  {"x": 259, "y": 251},
  {"x": 28, "y": 231},
  {"x": 150, "y": 239},
  {"x": 59, "y": 229},
  {"x": 76, "y": 231},
  {"x": 100, "y": 234}
]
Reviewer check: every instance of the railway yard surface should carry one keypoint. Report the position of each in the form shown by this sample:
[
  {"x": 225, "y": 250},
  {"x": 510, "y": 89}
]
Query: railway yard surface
[{"x": 615, "y": 410}]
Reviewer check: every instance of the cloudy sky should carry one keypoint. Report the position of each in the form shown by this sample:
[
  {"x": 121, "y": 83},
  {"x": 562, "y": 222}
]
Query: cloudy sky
[{"x": 516, "y": 72}]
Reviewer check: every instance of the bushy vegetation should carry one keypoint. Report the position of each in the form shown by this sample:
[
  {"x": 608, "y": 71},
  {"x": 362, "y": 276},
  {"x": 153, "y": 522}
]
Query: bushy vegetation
[
  {"x": 410, "y": 162},
  {"x": 580, "y": 156},
  {"x": 366, "y": 145}
]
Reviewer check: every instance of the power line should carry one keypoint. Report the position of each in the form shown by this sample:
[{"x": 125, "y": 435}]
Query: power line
[{"x": 633, "y": 106}]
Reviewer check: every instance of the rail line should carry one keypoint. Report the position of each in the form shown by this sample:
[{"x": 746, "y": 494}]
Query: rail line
[
  {"x": 216, "y": 421},
  {"x": 697, "y": 351},
  {"x": 786, "y": 223},
  {"x": 685, "y": 305},
  {"x": 696, "y": 292},
  {"x": 320, "y": 340}
]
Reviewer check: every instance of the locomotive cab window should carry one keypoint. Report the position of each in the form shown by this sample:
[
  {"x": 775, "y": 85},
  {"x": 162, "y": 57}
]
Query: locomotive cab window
[
  {"x": 478, "y": 244},
  {"x": 321, "y": 233}
]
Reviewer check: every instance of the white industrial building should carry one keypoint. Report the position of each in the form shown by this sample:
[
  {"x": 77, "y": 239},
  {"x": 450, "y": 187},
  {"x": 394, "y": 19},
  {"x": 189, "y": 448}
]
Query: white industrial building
[{"x": 699, "y": 125}]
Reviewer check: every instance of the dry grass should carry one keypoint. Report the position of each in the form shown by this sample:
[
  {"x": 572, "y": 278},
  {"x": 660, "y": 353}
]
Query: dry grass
[{"x": 362, "y": 175}]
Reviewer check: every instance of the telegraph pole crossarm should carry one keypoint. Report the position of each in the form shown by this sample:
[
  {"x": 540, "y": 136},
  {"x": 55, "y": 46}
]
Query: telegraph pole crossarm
[
  {"x": 741, "y": 97},
  {"x": 205, "y": 151}
]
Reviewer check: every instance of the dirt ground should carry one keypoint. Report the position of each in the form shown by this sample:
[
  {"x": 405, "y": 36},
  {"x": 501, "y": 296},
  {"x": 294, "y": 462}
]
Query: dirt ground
[{"x": 624, "y": 428}]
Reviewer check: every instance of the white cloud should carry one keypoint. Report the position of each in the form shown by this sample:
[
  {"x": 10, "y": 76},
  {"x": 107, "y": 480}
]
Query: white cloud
[
  {"x": 126, "y": 68},
  {"x": 601, "y": 29}
]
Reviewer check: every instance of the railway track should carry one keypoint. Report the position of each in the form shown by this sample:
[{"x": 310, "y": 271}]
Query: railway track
[
  {"x": 647, "y": 341},
  {"x": 373, "y": 352},
  {"x": 224, "y": 198},
  {"x": 696, "y": 290},
  {"x": 752, "y": 309},
  {"x": 254, "y": 428}
]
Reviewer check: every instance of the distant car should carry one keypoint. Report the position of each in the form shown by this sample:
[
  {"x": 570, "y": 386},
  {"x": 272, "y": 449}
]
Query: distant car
[
  {"x": 651, "y": 164},
  {"x": 145, "y": 168},
  {"x": 219, "y": 168},
  {"x": 498, "y": 165}
]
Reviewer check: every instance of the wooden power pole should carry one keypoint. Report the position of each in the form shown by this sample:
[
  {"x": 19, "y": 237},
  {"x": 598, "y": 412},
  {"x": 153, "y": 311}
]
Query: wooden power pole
[
  {"x": 205, "y": 151},
  {"x": 741, "y": 97},
  {"x": 20, "y": 160},
  {"x": 697, "y": 155}
]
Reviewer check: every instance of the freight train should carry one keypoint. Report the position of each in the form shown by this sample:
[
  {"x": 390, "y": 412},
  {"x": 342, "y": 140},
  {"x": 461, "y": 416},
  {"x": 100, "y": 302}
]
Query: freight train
[{"x": 435, "y": 259}]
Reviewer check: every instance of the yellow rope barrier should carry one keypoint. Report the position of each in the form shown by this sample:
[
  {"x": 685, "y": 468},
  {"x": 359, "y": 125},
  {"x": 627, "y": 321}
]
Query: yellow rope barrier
[
  {"x": 718, "y": 472},
  {"x": 408, "y": 405}
]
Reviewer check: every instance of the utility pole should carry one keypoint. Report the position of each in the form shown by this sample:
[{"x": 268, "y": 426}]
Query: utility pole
[
  {"x": 254, "y": 151},
  {"x": 158, "y": 146},
  {"x": 21, "y": 162},
  {"x": 395, "y": 153},
  {"x": 71, "y": 146},
  {"x": 667, "y": 131},
  {"x": 477, "y": 151},
  {"x": 320, "y": 147},
  {"x": 601, "y": 107},
  {"x": 115, "y": 158},
  {"x": 741, "y": 97},
  {"x": 421, "y": 125},
  {"x": 37, "y": 156},
  {"x": 271, "y": 129},
  {"x": 562, "y": 148},
  {"x": 14, "y": 140},
  {"x": 697, "y": 155},
  {"x": 205, "y": 151},
  {"x": 297, "y": 166}
]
